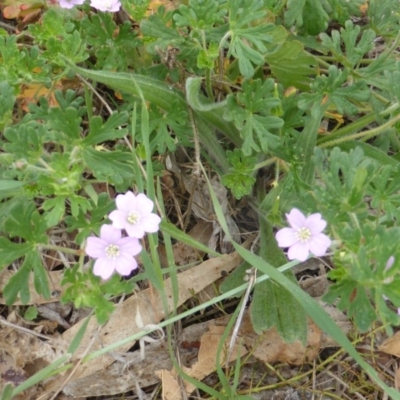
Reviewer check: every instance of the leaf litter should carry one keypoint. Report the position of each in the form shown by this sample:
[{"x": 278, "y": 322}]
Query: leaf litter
[{"x": 197, "y": 344}]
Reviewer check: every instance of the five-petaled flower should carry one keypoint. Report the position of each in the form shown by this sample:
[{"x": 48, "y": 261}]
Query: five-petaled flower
[
  {"x": 134, "y": 214},
  {"x": 304, "y": 236},
  {"x": 106, "y": 5},
  {"x": 113, "y": 252},
  {"x": 70, "y": 3}
]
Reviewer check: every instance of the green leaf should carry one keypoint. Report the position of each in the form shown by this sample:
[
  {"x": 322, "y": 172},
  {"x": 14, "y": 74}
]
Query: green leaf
[
  {"x": 76, "y": 341},
  {"x": 115, "y": 167},
  {"x": 57, "y": 207},
  {"x": 10, "y": 251},
  {"x": 114, "y": 45},
  {"x": 40, "y": 277},
  {"x": 240, "y": 178},
  {"x": 25, "y": 222},
  {"x": 25, "y": 141},
  {"x": 6, "y": 394},
  {"x": 7, "y": 100},
  {"x": 100, "y": 132},
  {"x": 361, "y": 310},
  {"x": 86, "y": 225},
  {"x": 306, "y": 14},
  {"x": 307, "y": 142},
  {"x": 247, "y": 27},
  {"x": 199, "y": 15},
  {"x": 31, "y": 313},
  {"x": 19, "y": 284},
  {"x": 206, "y": 58},
  {"x": 9, "y": 184},
  {"x": 370, "y": 151},
  {"x": 274, "y": 306},
  {"x": 251, "y": 111},
  {"x": 354, "y": 45},
  {"x": 156, "y": 27},
  {"x": 334, "y": 89},
  {"x": 197, "y": 102},
  {"x": 235, "y": 279},
  {"x": 292, "y": 65}
]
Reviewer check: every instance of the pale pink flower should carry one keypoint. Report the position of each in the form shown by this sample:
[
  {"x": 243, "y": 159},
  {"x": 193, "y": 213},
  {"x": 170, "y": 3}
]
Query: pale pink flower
[
  {"x": 70, "y": 3},
  {"x": 113, "y": 252},
  {"x": 106, "y": 5},
  {"x": 304, "y": 236},
  {"x": 134, "y": 214}
]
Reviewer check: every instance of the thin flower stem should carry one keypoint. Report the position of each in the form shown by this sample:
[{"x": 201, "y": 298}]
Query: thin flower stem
[
  {"x": 365, "y": 135},
  {"x": 60, "y": 248},
  {"x": 265, "y": 163}
]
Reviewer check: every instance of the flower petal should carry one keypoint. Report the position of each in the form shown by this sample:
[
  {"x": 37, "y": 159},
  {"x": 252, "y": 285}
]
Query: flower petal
[
  {"x": 315, "y": 223},
  {"x": 286, "y": 237},
  {"x": 130, "y": 246},
  {"x": 319, "y": 244},
  {"x": 104, "y": 267},
  {"x": 126, "y": 264},
  {"x": 150, "y": 223},
  {"x": 110, "y": 234},
  {"x": 298, "y": 251},
  {"x": 134, "y": 231},
  {"x": 95, "y": 247},
  {"x": 389, "y": 263},
  {"x": 296, "y": 219},
  {"x": 144, "y": 205},
  {"x": 118, "y": 219},
  {"x": 126, "y": 202}
]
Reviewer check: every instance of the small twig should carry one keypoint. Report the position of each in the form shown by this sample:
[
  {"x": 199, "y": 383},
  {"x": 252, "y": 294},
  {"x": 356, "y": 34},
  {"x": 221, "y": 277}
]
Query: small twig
[
  {"x": 8, "y": 26},
  {"x": 251, "y": 275},
  {"x": 109, "y": 109}
]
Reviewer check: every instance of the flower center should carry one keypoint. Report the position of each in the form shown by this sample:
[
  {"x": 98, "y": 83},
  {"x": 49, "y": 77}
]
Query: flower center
[
  {"x": 133, "y": 217},
  {"x": 303, "y": 235},
  {"x": 112, "y": 251},
  {"x": 107, "y": 4}
]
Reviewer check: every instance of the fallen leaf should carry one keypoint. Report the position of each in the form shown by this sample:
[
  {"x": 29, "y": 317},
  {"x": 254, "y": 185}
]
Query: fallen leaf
[
  {"x": 122, "y": 375},
  {"x": 391, "y": 345}
]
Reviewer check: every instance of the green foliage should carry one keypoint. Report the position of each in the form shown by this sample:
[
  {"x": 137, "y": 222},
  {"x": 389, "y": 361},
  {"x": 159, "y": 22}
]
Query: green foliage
[
  {"x": 7, "y": 100},
  {"x": 355, "y": 47},
  {"x": 239, "y": 179},
  {"x": 246, "y": 26},
  {"x": 361, "y": 275},
  {"x": 21, "y": 66},
  {"x": 312, "y": 16},
  {"x": 252, "y": 114},
  {"x": 260, "y": 86},
  {"x": 291, "y": 65},
  {"x": 114, "y": 46}
]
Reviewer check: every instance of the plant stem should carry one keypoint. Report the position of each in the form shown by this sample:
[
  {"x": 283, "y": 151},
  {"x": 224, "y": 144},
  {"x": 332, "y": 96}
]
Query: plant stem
[
  {"x": 365, "y": 135},
  {"x": 60, "y": 248}
]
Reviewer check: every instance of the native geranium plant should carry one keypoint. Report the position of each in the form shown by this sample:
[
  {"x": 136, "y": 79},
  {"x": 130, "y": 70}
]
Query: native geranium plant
[
  {"x": 304, "y": 236},
  {"x": 114, "y": 253}
]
